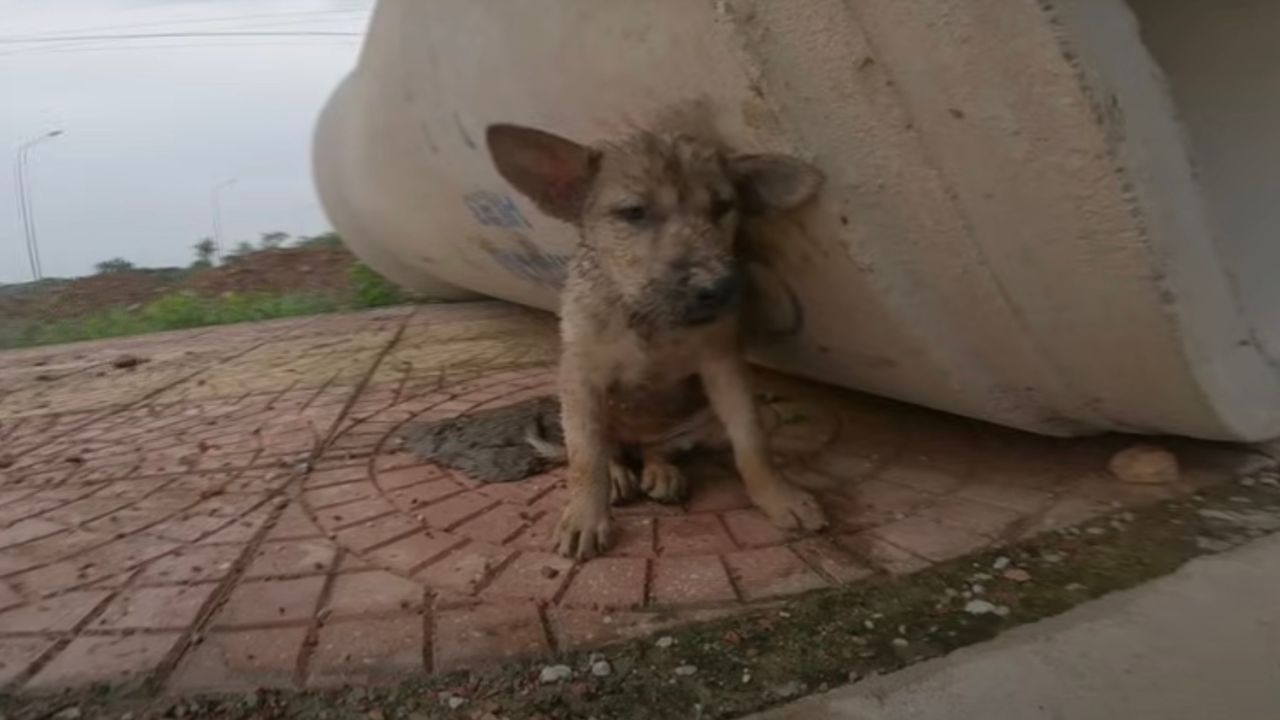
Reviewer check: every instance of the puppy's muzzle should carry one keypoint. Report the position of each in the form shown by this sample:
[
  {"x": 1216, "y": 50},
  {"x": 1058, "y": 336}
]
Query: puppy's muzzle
[{"x": 709, "y": 302}]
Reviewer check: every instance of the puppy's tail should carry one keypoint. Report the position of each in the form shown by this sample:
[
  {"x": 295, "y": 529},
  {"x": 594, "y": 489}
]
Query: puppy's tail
[{"x": 545, "y": 448}]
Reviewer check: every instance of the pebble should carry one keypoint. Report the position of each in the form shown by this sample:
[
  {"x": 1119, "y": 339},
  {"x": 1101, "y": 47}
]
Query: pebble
[
  {"x": 789, "y": 690},
  {"x": 601, "y": 668},
  {"x": 555, "y": 673},
  {"x": 1212, "y": 545},
  {"x": 978, "y": 589},
  {"x": 1017, "y": 575},
  {"x": 1145, "y": 465},
  {"x": 1001, "y": 563},
  {"x": 1075, "y": 587},
  {"x": 900, "y": 642},
  {"x": 1001, "y": 611},
  {"x": 71, "y": 713},
  {"x": 665, "y": 642},
  {"x": 456, "y": 702},
  {"x": 686, "y": 670},
  {"x": 979, "y": 607}
]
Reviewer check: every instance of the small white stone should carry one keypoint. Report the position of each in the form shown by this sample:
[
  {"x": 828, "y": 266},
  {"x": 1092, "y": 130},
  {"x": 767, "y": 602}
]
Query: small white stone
[
  {"x": 686, "y": 670},
  {"x": 1212, "y": 545},
  {"x": 601, "y": 668},
  {"x": 979, "y": 607},
  {"x": 789, "y": 690},
  {"x": 900, "y": 642},
  {"x": 555, "y": 673},
  {"x": 665, "y": 642},
  {"x": 978, "y": 589},
  {"x": 1001, "y": 563},
  {"x": 1145, "y": 465},
  {"x": 1001, "y": 611},
  {"x": 456, "y": 702}
]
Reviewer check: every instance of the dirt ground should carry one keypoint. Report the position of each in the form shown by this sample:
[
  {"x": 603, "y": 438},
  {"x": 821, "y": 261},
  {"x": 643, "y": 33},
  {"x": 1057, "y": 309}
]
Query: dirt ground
[{"x": 285, "y": 270}]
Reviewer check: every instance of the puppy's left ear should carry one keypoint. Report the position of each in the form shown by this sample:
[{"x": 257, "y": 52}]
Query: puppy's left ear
[{"x": 772, "y": 183}]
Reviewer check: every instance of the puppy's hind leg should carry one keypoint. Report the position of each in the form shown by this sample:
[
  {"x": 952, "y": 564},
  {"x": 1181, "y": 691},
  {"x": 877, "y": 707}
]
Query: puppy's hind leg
[
  {"x": 623, "y": 484},
  {"x": 661, "y": 479}
]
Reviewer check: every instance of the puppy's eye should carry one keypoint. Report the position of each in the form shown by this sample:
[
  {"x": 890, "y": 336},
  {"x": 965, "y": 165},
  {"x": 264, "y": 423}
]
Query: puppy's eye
[
  {"x": 633, "y": 214},
  {"x": 721, "y": 206}
]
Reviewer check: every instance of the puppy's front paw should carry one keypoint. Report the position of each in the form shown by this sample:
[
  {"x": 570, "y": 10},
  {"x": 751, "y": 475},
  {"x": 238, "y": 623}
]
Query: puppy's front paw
[
  {"x": 791, "y": 508},
  {"x": 664, "y": 482},
  {"x": 583, "y": 531}
]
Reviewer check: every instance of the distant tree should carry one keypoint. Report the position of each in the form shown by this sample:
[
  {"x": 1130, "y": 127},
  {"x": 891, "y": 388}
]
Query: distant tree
[
  {"x": 273, "y": 240},
  {"x": 205, "y": 250},
  {"x": 241, "y": 251},
  {"x": 113, "y": 265},
  {"x": 323, "y": 240}
]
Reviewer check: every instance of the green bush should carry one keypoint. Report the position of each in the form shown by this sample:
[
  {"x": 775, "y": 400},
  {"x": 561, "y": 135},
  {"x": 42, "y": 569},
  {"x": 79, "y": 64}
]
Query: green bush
[
  {"x": 182, "y": 310},
  {"x": 373, "y": 290},
  {"x": 175, "y": 311},
  {"x": 329, "y": 240}
]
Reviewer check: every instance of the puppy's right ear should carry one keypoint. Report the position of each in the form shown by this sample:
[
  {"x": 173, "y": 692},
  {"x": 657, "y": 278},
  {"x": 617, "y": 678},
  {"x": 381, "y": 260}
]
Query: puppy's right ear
[{"x": 553, "y": 172}]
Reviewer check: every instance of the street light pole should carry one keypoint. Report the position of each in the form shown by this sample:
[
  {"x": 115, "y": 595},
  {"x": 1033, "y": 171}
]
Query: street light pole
[
  {"x": 216, "y": 206},
  {"x": 20, "y": 188},
  {"x": 26, "y": 208}
]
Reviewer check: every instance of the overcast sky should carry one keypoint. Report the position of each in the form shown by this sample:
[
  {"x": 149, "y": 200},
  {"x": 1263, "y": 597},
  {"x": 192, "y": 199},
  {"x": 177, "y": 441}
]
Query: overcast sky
[{"x": 150, "y": 126}]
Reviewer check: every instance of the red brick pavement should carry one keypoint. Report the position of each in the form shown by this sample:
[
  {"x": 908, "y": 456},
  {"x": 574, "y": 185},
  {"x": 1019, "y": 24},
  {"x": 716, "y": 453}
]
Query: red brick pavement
[{"x": 240, "y": 510}]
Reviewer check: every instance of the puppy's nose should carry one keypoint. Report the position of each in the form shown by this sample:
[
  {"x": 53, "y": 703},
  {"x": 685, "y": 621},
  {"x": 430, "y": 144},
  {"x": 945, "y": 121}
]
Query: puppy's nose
[{"x": 708, "y": 299}]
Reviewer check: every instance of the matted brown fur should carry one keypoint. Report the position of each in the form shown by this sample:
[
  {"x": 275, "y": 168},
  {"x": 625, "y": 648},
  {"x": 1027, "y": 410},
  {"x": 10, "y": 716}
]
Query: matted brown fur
[{"x": 651, "y": 357}]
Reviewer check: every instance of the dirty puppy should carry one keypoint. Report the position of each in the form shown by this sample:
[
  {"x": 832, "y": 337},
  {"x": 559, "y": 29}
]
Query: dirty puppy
[{"x": 652, "y": 361}]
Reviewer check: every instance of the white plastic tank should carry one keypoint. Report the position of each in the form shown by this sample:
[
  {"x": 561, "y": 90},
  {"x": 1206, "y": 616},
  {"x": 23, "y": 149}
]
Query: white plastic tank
[{"x": 1013, "y": 226}]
